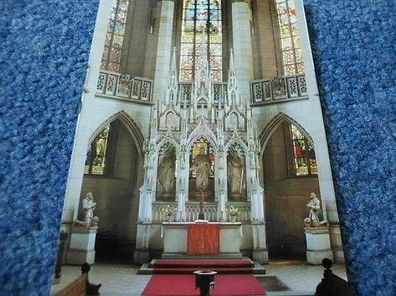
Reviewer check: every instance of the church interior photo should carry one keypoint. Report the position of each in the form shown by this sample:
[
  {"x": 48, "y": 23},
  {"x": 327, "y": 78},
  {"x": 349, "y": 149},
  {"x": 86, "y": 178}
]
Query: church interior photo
[
  {"x": 201, "y": 135},
  {"x": 211, "y": 100}
]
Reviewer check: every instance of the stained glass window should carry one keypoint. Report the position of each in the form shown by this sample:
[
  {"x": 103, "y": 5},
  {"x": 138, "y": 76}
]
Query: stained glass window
[
  {"x": 111, "y": 58},
  {"x": 290, "y": 41},
  {"x": 304, "y": 159},
  {"x": 95, "y": 163},
  {"x": 202, "y": 32}
]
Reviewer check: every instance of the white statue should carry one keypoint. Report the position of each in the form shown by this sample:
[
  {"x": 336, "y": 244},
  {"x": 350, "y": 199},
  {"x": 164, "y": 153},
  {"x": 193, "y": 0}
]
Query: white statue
[
  {"x": 89, "y": 206},
  {"x": 314, "y": 211},
  {"x": 202, "y": 166},
  {"x": 235, "y": 175},
  {"x": 166, "y": 174}
]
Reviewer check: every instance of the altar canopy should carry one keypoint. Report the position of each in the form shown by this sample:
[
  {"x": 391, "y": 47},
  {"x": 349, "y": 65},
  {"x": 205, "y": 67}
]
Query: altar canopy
[{"x": 203, "y": 239}]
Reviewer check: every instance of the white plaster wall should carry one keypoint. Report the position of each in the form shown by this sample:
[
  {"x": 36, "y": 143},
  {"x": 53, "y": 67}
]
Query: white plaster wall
[
  {"x": 308, "y": 114},
  {"x": 95, "y": 112}
]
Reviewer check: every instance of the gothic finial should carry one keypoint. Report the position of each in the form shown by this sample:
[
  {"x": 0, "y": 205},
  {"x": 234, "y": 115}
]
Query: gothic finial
[
  {"x": 173, "y": 62},
  {"x": 232, "y": 67}
]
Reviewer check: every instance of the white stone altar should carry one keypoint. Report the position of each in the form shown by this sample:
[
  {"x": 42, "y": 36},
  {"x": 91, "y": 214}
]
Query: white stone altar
[{"x": 175, "y": 239}]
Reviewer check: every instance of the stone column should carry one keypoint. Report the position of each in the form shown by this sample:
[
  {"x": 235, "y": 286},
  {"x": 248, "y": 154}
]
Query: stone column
[
  {"x": 242, "y": 43},
  {"x": 260, "y": 252},
  {"x": 221, "y": 181},
  {"x": 142, "y": 253},
  {"x": 318, "y": 133},
  {"x": 164, "y": 47},
  {"x": 81, "y": 142}
]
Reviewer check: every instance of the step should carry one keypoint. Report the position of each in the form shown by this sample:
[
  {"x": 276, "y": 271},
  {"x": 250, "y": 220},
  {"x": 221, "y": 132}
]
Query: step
[
  {"x": 191, "y": 270},
  {"x": 239, "y": 263},
  {"x": 148, "y": 268}
]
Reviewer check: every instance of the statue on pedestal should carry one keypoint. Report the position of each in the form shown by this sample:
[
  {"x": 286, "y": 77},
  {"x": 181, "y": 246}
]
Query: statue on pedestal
[
  {"x": 314, "y": 212},
  {"x": 166, "y": 175},
  {"x": 89, "y": 206},
  {"x": 202, "y": 166},
  {"x": 235, "y": 176}
]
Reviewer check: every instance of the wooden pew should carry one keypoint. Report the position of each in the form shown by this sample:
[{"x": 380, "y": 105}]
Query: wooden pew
[
  {"x": 333, "y": 285},
  {"x": 81, "y": 286}
]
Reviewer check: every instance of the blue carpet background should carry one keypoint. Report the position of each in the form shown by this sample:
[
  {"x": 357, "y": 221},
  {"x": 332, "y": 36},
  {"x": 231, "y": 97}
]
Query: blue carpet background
[
  {"x": 43, "y": 59},
  {"x": 354, "y": 48},
  {"x": 44, "y": 53}
]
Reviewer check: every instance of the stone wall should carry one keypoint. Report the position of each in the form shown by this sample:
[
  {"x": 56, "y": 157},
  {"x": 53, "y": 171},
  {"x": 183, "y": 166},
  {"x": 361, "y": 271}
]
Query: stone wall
[
  {"x": 285, "y": 200},
  {"x": 117, "y": 198}
]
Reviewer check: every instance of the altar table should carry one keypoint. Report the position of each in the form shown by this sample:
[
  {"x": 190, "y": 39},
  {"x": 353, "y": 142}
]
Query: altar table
[{"x": 201, "y": 239}]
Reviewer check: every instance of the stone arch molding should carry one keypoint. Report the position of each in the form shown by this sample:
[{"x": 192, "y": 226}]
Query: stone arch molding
[
  {"x": 273, "y": 124},
  {"x": 131, "y": 126},
  {"x": 167, "y": 141},
  {"x": 202, "y": 131},
  {"x": 236, "y": 140}
]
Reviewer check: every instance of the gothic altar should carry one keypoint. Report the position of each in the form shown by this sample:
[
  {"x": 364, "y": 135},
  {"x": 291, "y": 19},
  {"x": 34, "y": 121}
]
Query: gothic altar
[
  {"x": 201, "y": 156},
  {"x": 183, "y": 239}
]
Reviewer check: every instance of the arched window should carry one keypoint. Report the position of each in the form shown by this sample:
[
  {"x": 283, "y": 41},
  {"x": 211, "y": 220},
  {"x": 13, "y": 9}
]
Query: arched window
[
  {"x": 100, "y": 156},
  {"x": 304, "y": 159},
  {"x": 202, "y": 32},
  {"x": 96, "y": 160},
  {"x": 111, "y": 58},
  {"x": 290, "y": 41}
]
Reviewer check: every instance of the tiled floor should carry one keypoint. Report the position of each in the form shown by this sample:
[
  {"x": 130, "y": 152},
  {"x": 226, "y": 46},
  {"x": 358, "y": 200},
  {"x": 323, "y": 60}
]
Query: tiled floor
[{"x": 122, "y": 280}]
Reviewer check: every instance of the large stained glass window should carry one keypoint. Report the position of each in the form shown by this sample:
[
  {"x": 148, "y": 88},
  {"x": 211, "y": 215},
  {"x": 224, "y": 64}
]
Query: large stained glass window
[
  {"x": 111, "y": 58},
  {"x": 95, "y": 163},
  {"x": 304, "y": 159},
  {"x": 202, "y": 32},
  {"x": 290, "y": 41}
]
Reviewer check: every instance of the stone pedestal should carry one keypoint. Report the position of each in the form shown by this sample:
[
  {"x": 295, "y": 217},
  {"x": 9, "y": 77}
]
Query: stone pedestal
[
  {"x": 318, "y": 244},
  {"x": 260, "y": 252},
  {"x": 82, "y": 245}
]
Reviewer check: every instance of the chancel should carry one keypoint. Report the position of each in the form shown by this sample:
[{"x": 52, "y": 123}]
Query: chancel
[
  {"x": 201, "y": 116},
  {"x": 125, "y": 78}
]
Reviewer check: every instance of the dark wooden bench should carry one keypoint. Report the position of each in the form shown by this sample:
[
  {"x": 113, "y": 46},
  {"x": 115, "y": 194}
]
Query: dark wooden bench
[
  {"x": 81, "y": 286},
  {"x": 333, "y": 285}
]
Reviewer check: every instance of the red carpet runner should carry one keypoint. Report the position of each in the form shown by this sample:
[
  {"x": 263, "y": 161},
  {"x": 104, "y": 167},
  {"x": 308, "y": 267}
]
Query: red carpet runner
[{"x": 184, "y": 285}]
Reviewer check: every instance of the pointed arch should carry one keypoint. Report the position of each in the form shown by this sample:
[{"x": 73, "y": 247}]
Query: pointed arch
[
  {"x": 131, "y": 126},
  {"x": 167, "y": 140},
  {"x": 202, "y": 131},
  {"x": 236, "y": 141},
  {"x": 273, "y": 124}
]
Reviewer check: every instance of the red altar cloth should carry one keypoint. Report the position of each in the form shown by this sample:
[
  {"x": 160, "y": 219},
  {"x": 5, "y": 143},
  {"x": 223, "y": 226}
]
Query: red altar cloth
[{"x": 203, "y": 239}]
